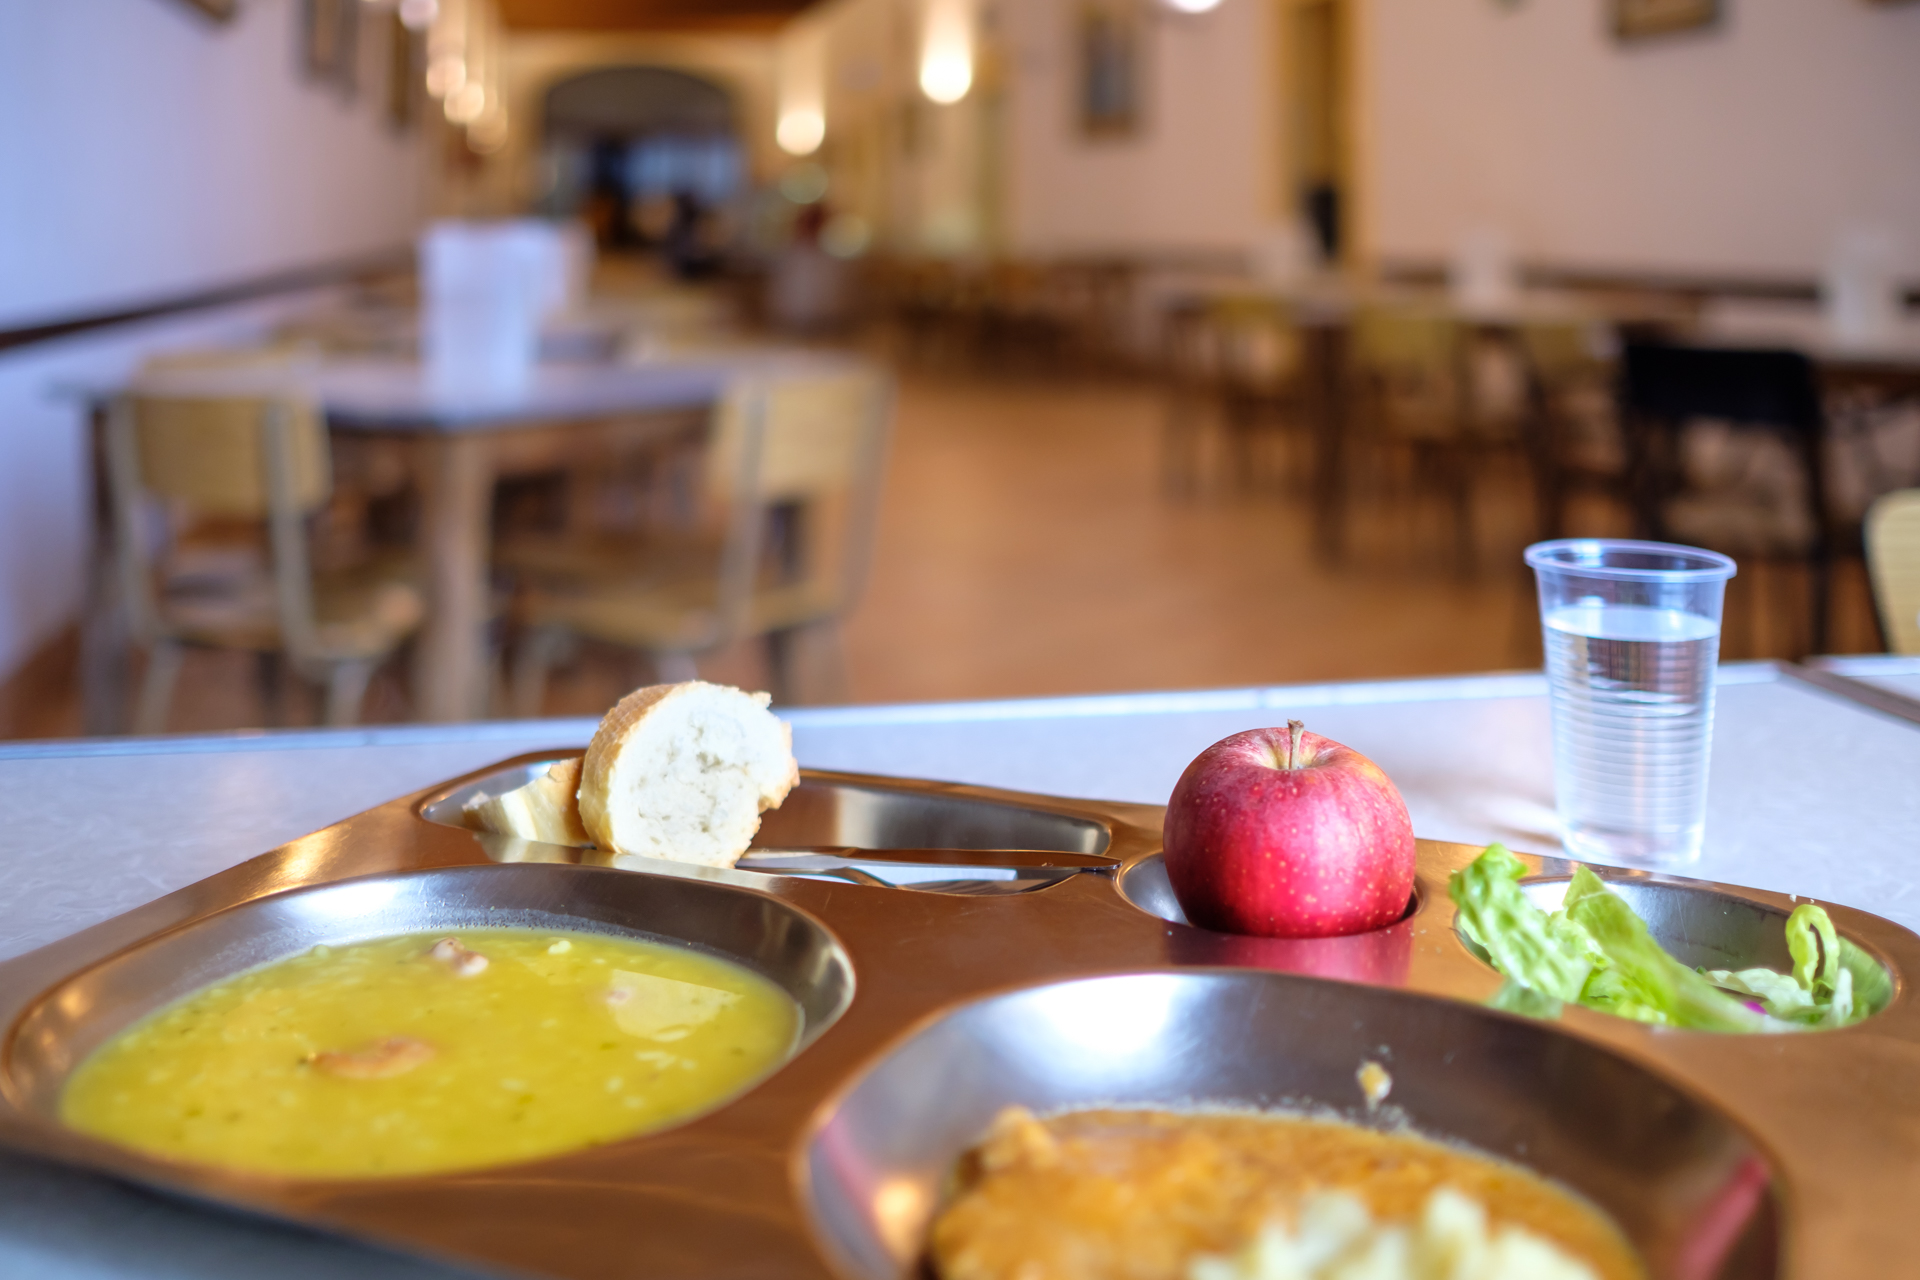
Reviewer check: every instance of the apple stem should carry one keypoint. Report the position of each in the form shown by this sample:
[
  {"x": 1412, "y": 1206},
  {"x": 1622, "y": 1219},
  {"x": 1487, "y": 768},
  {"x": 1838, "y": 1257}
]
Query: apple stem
[{"x": 1295, "y": 728}]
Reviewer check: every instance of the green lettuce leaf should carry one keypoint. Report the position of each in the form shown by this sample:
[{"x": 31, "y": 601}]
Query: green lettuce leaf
[
  {"x": 1840, "y": 1007},
  {"x": 1643, "y": 981},
  {"x": 1515, "y": 934},
  {"x": 1782, "y": 996},
  {"x": 1815, "y": 948},
  {"x": 1517, "y": 997},
  {"x": 1872, "y": 985},
  {"x": 1597, "y": 952}
]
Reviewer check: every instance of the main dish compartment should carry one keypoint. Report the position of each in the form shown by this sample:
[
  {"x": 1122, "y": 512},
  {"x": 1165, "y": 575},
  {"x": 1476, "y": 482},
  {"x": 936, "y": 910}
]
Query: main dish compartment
[
  {"x": 795, "y": 1170},
  {"x": 1686, "y": 1186}
]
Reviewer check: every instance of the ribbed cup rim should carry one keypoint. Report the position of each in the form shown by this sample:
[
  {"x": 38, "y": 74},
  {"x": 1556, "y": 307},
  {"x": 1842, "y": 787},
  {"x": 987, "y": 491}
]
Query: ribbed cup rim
[{"x": 1588, "y": 558}]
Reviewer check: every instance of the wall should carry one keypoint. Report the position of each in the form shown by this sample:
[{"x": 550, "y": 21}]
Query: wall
[
  {"x": 150, "y": 152},
  {"x": 143, "y": 153},
  {"x": 1202, "y": 174},
  {"x": 868, "y": 54},
  {"x": 1740, "y": 151}
]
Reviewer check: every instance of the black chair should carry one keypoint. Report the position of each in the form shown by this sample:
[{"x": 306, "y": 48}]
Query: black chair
[{"x": 1756, "y": 394}]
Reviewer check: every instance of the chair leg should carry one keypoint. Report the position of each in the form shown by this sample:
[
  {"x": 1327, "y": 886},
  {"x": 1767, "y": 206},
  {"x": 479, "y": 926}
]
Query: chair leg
[
  {"x": 346, "y": 690},
  {"x": 1460, "y": 484},
  {"x": 1820, "y": 587},
  {"x": 807, "y": 665},
  {"x": 269, "y": 676},
  {"x": 1180, "y": 446},
  {"x": 156, "y": 690},
  {"x": 528, "y": 681}
]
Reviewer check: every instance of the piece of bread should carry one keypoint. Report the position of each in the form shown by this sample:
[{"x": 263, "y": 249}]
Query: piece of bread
[
  {"x": 545, "y": 809},
  {"x": 683, "y": 772}
]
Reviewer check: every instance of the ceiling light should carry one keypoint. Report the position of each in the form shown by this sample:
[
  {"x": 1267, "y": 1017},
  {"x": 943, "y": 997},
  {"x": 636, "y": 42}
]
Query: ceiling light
[
  {"x": 800, "y": 131},
  {"x": 946, "y": 51}
]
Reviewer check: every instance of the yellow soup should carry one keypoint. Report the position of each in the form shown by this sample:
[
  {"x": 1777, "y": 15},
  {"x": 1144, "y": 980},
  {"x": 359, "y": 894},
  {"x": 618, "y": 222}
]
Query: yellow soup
[{"x": 426, "y": 1052}]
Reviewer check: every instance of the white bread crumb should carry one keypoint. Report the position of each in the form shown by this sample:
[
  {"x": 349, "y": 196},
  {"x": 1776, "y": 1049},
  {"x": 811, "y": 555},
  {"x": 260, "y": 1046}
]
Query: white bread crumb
[
  {"x": 683, "y": 772},
  {"x": 545, "y": 809}
]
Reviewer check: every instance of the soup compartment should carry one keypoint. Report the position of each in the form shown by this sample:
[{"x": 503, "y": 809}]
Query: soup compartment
[
  {"x": 1684, "y": 1183},
  {"x": 774, "y": 939}
]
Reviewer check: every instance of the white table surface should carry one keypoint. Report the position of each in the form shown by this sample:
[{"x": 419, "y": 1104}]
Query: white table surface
[
  {"x": 1809, "y": 794},
  {"x": 1898, "y": 674},
  {"x": 1804, "y": 326}
]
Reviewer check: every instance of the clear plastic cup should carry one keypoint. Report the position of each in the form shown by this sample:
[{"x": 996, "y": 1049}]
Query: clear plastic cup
[{"x": 1632, "y": 634}]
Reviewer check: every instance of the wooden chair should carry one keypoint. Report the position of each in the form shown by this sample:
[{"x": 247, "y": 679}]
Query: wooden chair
[
  {"x": 1410, "y": 375},
  {"x": 1572, "y": 435},
  {"x": 791, "y": 480},
  {"x": 1727, "y": 450},
  {"x": 1238, "y": 362},
  {"x": 1893, "y": 560},
  {"x": 215, "y": 469}
]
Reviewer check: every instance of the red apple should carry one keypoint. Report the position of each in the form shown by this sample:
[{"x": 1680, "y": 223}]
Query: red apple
[{"x": 1286, "y": 834}]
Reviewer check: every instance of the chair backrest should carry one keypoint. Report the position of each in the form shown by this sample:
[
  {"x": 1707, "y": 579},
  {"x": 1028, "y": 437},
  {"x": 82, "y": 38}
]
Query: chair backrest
[
  {"x": 1558, "y": 352},
  {"x": 1663, "y": 386},
  {"x": 1405, "y": 342},
  {"x": 209, "y": 453},
  {"x": 1412, "y": 371},
  {"x": 815, "y": 435},
  {"x": 807, "y": 446},
  {"x": 1256, "y": 341},
  {"x": 1753, "y": 387},
  {"x": 1893, "y": 560},
  {"x": 246, "y": 457}
]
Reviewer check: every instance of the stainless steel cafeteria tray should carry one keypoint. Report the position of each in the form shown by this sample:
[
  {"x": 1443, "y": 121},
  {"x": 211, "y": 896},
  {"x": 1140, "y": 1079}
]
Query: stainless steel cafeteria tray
[{"x": 1058, "y": 973}]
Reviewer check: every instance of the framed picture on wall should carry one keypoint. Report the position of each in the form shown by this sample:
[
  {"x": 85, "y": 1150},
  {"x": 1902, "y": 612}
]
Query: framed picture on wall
[
  {"x": 330, "y": 41},
  {"x": 1107, "y": 41},
  {"x": 1642, "y": 19}
]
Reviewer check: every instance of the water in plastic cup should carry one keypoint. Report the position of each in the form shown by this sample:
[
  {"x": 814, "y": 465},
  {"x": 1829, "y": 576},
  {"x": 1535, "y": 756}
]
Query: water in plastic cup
[{"x": 1632, "y": 633}]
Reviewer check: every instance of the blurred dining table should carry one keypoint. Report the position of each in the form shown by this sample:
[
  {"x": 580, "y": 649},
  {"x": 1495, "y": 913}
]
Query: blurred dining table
[
  {"x": 464, "y": 438},
  {"x": 1886, "y": 361},
  {"x": 1322, "y": 306}
]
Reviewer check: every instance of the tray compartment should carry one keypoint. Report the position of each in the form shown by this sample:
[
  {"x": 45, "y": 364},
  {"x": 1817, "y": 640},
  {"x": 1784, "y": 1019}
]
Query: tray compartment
[
  {"x": 872, "y": 817},
  {"x": 1670, "y": 1169},
  {"x": 822, "y": 812},
  {"x": 784, "y": 944},
  {"x": 1145, "y": 885},
  {"x": 1698, "y": 924}
]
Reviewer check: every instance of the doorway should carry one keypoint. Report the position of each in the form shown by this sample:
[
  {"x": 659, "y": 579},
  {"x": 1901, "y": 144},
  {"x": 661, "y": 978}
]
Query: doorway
[
  {"x": 649, "y": 157},
  {"x": 1315, "y": 50}
]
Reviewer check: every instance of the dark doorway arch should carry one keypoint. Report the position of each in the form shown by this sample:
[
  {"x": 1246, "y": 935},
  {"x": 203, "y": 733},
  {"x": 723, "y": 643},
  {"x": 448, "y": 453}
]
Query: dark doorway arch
[
  {"x": 631, "y": 101},
  {"x": 633, "y": 148}
]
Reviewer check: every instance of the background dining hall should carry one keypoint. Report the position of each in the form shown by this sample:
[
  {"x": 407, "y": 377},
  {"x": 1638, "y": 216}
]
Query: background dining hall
[{"x": 369, "y": 361}]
